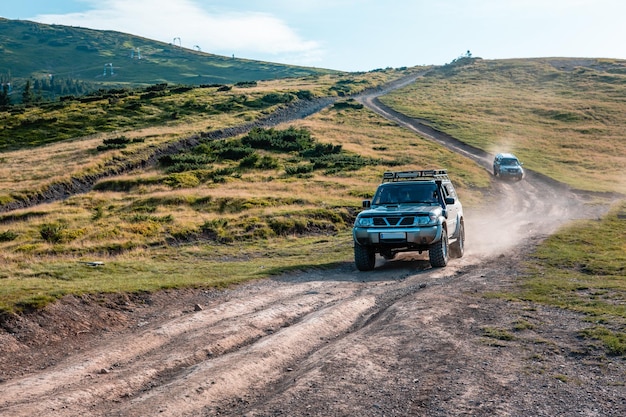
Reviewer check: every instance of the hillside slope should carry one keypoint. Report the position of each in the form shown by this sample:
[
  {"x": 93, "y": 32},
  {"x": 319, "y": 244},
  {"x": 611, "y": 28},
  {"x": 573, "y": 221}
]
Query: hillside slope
[{"x": 51, "y": 53}]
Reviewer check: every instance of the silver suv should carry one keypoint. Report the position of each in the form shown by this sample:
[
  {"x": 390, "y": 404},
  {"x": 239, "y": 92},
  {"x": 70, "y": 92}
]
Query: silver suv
[
  {"x": 411, "y": 211},
  {"x": 506, "y": 165}
]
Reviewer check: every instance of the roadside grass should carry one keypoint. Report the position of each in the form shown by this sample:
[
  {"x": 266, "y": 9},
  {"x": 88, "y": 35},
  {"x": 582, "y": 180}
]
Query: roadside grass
[
  {"x": 45, "y": 279},
  {"x": 582, "y": 268},
  {"x": 218, "y": 221},
  {"x": 561, "y": 117}
]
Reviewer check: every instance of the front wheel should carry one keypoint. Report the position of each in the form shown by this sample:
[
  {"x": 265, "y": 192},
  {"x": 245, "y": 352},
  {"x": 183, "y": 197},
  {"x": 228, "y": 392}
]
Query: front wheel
[
  {"x": 438, "y": 252},
  {"x": 364, "y": 258}
]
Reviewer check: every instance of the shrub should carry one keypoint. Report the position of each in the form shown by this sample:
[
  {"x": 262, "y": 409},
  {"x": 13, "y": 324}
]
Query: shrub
[
  {"x": 249, "y": 161},
  {"x": 342, "y": 162},
  {"x": 348, "y": 104},
  {"x": 267, "y": 162},
  {"x": 276, "y": 98},
  {"x": 217, "y": 230},
  {"x": 182, "y": 180},
  {"x": 7, "y": 236},
  {"x": 52, "y": 232},
  {"x": 246, "y": 84},
  {"x": 298, "y": 169},
  {"x": 234, "y": 153},
  {"x": 305, "y": 95},
  {"x": 287, "y": 140},
  {"x": 321, "y": 149},
  {"x": 114, "y": 143},
  {"x": 185, "y": 162}
]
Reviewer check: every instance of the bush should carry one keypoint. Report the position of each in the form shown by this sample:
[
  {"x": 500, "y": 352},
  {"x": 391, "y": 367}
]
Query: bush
[
  {"x": 348, "y": 104},
  {"x": 182, "y": 180},
  {"x": 267, "y": 162},
  {"x": 321, "y": 149},
  {"x": 249, "y": 161},
  {"x": 7, "y": 236},
  {"x": 299, "y": 169},
  {"x": 276, "y": 98},
  {"x": 342, "y": 162},
  {"x": 287, "y": 140},
  {"x": 114, "y": 143},
  {"x": 185, "y": 162},
  {"x": 246, "y": 84},
  {"x": 305, "y": 95},
  {"x": 52, "y": 232},
  {"x": 217, "y": 230}
]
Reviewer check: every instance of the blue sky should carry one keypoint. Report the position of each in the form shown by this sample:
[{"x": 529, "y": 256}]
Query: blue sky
[{"x": 354, "y": 35}]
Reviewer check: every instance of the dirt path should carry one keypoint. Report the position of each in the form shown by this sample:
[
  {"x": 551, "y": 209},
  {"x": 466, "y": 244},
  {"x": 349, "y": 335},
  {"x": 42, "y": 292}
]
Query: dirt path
[{"x": 401, "y": 340}]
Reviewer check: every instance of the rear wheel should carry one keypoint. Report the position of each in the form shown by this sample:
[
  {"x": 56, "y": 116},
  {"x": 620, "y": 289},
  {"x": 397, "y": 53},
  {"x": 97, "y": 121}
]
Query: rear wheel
[
  {"x": 438, "y": 252},
  {"x": 458, "y": 247},
  {"x": 364, "y": 258}
]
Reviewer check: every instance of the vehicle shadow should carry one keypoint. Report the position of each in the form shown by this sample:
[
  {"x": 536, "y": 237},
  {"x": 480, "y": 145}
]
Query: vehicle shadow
[{"x": 403, "y": 266}]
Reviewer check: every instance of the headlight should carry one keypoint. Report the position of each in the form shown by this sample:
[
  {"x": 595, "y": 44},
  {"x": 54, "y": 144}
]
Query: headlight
[
  {"x": 421, "y": 220},
  {"x": 364, "y": 222}
]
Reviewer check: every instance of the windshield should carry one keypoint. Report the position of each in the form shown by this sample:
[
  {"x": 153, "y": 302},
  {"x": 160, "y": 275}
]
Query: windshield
[
  {"x": 510, "y": 162},
  {"x": 425, "y": 193}
]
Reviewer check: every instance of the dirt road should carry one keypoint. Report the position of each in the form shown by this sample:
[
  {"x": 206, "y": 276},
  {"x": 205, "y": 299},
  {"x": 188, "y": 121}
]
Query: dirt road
[{"x": 404, "y": 339}]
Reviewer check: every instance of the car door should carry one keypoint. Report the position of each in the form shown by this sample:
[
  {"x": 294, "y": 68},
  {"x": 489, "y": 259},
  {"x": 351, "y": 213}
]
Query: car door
[{"x": 453, "y": 209}]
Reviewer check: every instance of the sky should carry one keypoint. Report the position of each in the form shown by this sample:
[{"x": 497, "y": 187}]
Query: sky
[{"x": 354, "y": 35}]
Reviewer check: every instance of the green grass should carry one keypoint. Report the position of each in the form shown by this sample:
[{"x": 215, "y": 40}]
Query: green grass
[
  {"x": 582, "y": 268},
  {"x": 44, "y": 280}
]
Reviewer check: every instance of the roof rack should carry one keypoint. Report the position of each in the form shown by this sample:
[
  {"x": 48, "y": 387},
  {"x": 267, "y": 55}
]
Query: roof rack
[{"x": 428, "y": 174}]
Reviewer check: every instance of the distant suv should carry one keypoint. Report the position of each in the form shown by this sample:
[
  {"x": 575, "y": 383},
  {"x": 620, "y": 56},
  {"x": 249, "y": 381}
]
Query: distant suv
[
  {"x": 506, "y": 165},
  {"x": 411, "y": 211}
]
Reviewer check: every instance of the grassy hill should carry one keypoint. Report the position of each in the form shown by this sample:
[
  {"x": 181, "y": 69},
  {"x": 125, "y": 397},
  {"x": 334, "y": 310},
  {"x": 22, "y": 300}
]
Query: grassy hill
[{"x": 83, "y": 59}]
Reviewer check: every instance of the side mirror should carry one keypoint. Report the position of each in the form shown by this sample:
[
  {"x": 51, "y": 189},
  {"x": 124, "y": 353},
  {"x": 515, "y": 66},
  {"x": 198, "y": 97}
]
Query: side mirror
[{"x": 367, "y": 203}]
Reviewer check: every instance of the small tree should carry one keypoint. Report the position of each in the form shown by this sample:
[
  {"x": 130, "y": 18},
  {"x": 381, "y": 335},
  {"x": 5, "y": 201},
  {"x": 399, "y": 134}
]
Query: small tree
[
  {"x": 5, "y": 99},
  {"x": 27, "y": 94}
]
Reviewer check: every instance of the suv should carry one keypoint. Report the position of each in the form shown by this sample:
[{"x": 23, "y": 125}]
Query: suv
[
  {"x": 411, "y": 211},
  {"x": 506, "y": 165}
]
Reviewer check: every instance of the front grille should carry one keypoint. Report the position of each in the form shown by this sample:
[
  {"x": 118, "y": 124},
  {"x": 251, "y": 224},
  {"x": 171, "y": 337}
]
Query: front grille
[{"x": 394, "y": 221}]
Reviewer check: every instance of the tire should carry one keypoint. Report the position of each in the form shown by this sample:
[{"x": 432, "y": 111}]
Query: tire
[
  {"x": 457, "y": 249},
  {"x": 438, "y": 252},
  {"x": 364, "y": 258}
]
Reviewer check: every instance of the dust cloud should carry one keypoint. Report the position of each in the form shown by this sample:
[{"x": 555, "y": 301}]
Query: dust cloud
[{"x": 522, "y": 211}]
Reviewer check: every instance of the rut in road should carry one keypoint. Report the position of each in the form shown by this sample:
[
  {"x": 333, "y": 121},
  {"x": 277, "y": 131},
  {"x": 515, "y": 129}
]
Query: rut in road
[{"x": 201, "y": 358}]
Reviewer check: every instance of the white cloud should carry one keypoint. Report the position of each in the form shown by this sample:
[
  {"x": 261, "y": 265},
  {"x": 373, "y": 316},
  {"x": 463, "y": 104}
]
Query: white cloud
[{"x": 243, "y": 34}]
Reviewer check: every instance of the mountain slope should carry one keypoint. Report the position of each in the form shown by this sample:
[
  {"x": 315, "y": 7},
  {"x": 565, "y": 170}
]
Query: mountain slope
[{"x": 108, "y": 58}]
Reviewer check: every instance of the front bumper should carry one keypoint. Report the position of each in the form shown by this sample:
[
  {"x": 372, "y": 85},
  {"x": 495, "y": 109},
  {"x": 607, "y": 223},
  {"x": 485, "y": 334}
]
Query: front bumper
[
  {"x": 397, "y": 237},
  {"x": 511, "y": 173}
]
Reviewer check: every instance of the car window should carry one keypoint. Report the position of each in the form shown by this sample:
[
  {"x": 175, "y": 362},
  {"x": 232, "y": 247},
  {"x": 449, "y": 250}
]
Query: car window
[
  {"x": 450, "y": 192},
  {"x": 406, "y": 193}
]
